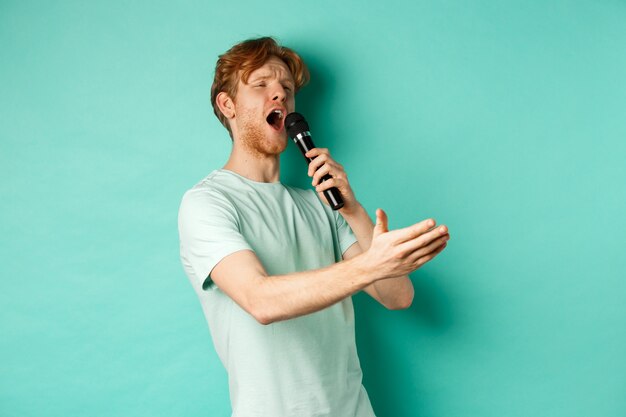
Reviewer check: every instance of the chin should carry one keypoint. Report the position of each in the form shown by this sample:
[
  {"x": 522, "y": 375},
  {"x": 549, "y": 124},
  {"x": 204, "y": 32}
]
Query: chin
[
  {"x": 264, "y": 140},
  {"x": 264, "y": 146},
  {"x": 276, "y": 148},
  {"x": 276, "y": 143}
]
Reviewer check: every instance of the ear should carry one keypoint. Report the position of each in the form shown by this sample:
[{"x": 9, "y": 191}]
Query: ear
[{"x": 226, "y": 105}]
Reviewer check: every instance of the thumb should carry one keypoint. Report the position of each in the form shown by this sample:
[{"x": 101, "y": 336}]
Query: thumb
[{"x": 381, "y": 223}]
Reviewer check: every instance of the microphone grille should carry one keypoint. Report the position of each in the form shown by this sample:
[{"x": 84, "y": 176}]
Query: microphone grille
[{"x": 295, "y": 124}]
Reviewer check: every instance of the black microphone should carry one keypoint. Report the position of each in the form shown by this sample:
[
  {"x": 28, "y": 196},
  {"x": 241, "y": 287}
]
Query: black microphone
[{"x": 298, "y": 130}]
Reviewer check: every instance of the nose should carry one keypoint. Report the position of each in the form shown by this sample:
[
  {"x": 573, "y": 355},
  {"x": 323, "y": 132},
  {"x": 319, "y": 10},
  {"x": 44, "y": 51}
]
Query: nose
[{"x": 279, "y": 94}]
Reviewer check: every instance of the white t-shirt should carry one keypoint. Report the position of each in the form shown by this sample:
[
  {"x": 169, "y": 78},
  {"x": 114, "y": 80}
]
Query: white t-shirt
[{"x": 306, "y": 366}]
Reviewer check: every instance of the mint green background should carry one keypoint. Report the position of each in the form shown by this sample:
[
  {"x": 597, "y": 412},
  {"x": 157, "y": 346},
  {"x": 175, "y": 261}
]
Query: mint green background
[{"x": 505, "y": 121}]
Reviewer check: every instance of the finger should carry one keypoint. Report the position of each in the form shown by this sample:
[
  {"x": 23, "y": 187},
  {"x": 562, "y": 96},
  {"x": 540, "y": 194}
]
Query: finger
[
  {"x": 440, "y": 248},
  {"x": 331, "y": 169},
  {"x": 317, "y": 162},
  {"x": 425, "y": 239},
  {"x": 413, "y": 231},
  {"x": 422, "y": 260},
  {"x": 431, "y": 235},
  {"x": 430, "y": 248},
  {"x": 312, "y": 153},
  {"x": 315, "y": 152},
  {"x": 382, "y": 225},
  {"x": 323, "y": 170},
  {"x": 330, "y": 183}
]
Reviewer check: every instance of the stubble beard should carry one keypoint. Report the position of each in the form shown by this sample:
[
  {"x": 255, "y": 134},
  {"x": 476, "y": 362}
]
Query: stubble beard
[{"x": 255, "y": 141}]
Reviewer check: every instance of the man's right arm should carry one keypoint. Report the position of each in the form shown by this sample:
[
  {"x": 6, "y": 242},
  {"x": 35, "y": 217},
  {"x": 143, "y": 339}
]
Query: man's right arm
[{"x": 280, "y": 297}]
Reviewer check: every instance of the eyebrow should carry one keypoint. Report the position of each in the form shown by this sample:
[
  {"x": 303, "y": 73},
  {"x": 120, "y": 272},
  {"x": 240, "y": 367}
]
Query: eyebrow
[{"x": 267, "y": 76}]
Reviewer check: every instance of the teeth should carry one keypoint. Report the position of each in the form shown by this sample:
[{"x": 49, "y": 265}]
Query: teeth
[{"x": 280, "y": 113}]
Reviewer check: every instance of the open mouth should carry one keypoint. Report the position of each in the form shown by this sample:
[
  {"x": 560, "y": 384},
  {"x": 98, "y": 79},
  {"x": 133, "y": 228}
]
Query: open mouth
[{"x": 276, "y": 119}]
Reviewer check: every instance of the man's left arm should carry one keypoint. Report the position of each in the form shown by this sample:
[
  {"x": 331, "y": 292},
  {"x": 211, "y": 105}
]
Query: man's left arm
[{"x": 393, "y": 293}]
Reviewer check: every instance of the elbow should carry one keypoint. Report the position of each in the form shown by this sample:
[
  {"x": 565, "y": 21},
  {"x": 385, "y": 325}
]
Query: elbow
[
  {"x": 256, "y": 307},
  {"x": 263, "y": 319},
  {"x": 260, "y": 313},
  {"x": 401, "y": 305},
  {"x": 405, "y": 298}
]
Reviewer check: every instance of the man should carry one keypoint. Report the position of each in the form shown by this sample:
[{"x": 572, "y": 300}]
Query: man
[{"x": 274, "y": 266}]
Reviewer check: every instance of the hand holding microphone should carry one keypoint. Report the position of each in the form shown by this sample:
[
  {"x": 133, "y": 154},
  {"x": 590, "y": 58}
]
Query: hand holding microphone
[
  {"x": 391, "y": 253},
  {"x": 298, "y": 130}
]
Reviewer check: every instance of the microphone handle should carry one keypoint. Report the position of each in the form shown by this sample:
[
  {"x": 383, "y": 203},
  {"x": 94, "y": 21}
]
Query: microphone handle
[{"x": 305, "y": 143}]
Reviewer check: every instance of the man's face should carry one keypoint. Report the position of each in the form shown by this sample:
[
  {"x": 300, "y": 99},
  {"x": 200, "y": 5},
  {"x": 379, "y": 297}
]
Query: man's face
[{"x": 261, "y": 105}]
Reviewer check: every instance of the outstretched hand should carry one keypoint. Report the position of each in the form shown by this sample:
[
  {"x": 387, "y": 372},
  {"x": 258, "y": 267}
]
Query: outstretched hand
[{"x": 402, "y": 251}]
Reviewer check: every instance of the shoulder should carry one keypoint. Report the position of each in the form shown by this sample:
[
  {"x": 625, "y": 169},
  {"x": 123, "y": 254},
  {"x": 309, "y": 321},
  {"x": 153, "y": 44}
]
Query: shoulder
[
  {"x": 210, "y": 192},
  {"x": 213, "y": 186}
]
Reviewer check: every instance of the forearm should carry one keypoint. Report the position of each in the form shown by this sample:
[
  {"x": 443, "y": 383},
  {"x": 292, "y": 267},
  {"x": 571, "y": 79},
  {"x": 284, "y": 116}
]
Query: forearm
[
  {"x": 282, "y": 297},
  {"x": 394, "y": 291},
  {"x": 361, "y": 225}
]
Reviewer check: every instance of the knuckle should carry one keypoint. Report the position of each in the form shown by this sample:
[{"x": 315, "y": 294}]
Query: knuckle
[
  {"x": 402, "y": 254},
  {"x": 420, "y": 243},
  {"x": 417, "y": 230}
]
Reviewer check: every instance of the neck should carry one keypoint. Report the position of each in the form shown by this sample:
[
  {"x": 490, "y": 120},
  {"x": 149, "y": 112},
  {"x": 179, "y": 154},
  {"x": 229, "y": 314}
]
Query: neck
[{"x": 252, "y": 165}]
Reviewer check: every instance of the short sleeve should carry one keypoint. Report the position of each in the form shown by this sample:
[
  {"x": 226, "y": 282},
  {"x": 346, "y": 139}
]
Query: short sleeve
[
  {"x": 344, "y": 232},
  {"x": 209, "y": 231}
]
